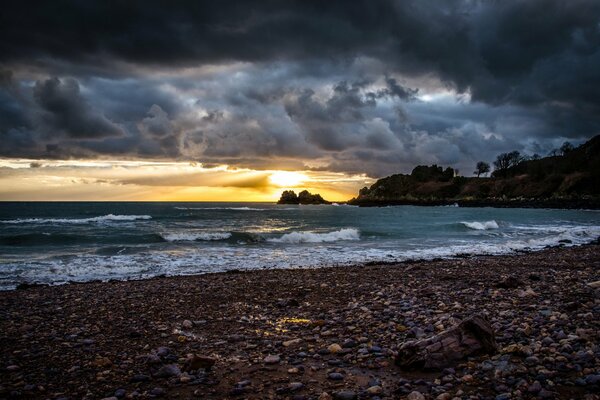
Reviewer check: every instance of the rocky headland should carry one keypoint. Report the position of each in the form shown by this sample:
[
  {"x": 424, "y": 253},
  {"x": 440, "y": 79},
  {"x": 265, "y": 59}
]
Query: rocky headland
[{"x": 570, "y": 180}]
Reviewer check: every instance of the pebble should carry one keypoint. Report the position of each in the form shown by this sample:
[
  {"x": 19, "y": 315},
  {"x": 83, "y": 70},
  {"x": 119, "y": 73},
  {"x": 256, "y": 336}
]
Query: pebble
[
  {"x": 272, "y": 359},
  {"x": 334, "y": 348},
  {"x": 344, "y": 395},
  {"x": 335, "y": 376},
  {"x": 168, "y": 371},
  {"x": 415, "y": 395}
]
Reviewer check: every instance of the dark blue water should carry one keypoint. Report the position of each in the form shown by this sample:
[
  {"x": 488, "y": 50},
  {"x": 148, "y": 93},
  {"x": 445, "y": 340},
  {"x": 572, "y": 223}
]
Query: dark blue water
[{"x": 60, "y": 242}]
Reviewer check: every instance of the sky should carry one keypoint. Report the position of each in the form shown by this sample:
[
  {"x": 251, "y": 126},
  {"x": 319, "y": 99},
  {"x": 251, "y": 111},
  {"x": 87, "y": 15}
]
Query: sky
[{"x": 239, "y": 100}]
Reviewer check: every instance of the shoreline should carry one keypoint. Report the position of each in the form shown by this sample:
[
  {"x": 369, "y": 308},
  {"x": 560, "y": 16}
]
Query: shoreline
[
  {"x": 410, "y": 261},
  {"x": 559, "y": 204},
  {"x": 271, "y": 333}
]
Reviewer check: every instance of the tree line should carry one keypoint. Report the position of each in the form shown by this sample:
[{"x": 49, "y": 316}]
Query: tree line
[{"x": 505, "y": 161}]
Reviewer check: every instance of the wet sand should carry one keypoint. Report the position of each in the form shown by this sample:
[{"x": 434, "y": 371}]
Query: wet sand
[{"x": 309, "y": 333}]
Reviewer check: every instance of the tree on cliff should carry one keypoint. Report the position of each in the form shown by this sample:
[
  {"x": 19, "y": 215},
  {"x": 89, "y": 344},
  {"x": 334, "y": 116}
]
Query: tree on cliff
[
  {"x": 506, "y": 160},
  {"x": 482, "y": 168},
  {"x": 566, "y": 148}
]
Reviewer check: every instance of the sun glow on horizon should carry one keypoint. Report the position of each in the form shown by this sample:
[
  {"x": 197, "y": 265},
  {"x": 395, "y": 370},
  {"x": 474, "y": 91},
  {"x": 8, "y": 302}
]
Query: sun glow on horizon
[
  {"x": 287, "y": 179},
  {"x": 121, "y": 180}
]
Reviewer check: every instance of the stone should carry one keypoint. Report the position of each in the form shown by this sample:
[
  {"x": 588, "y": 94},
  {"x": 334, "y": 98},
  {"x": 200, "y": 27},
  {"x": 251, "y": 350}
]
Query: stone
[
  {"x": 344, "y": 395},
  {"x": 140, "y": 378},
  {"x": 415, "y": 396},
  {"x": 158, "y": 392},
  {"x": 375, "y": 390},
  {"x": 163, "y": 351},
  {"x": 335, "y": 376},
  {"x": 509, "y": 282},
  {"x": 334, "y": 348},
  {"x": 197, "y": 362},
  {"x": 168, "y": 371},
  {"x": 293, "y": 386},
  {"x": 325, "y": 396},
  {"x": 472, "y": 336},
  {"x": 272, "y": 359},
  {"x": 594, "y": 285},
  {"x": 187, "y": 324},
  {"x": 102, "y": 362},
  {"x": 293, "y": 342}
]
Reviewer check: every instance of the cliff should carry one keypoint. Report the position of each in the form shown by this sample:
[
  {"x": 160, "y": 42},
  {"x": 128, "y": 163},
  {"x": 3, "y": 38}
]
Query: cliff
[{"x": 571, "y": 180}]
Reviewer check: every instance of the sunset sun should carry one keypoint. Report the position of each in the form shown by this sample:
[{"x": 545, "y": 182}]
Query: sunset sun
[{"x": 287, "y": 178}]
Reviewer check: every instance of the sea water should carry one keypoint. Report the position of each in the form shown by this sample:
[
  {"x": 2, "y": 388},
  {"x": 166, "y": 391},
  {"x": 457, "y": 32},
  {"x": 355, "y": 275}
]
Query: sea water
[{"x": 61, "y": 242}]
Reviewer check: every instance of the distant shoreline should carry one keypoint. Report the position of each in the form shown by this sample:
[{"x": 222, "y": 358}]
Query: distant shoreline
[{"x": 580, "y": 204}]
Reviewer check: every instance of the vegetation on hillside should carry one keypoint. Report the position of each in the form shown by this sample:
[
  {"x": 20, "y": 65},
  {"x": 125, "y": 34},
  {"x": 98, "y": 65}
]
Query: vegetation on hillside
[{"x": 571, "y": 174}]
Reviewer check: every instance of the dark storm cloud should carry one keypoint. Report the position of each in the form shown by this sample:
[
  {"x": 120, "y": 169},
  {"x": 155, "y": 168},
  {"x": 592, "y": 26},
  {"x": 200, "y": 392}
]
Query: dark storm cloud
[
  {"x": 64, "y": 110},
  {"x": 353, "y": 84}
]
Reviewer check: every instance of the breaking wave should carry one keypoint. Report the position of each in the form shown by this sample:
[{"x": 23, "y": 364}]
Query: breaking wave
[
  {"x": 313, "y": 237},
  {"x": 481, "y": 226},
  {"x": 101, "y": 219},
  {"x": 192, "y": 237}
]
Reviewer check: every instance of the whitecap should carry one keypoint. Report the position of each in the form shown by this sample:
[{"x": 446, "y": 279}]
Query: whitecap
[
  {"x": 100, "y": 219},
  {"x": 314, "y": 237},
  {"x": 195, "y": 236},
  {"x": 481, "y": 226}
]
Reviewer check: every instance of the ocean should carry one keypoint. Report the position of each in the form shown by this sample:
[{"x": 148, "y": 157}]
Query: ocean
[{"x": 62, "y": 242}]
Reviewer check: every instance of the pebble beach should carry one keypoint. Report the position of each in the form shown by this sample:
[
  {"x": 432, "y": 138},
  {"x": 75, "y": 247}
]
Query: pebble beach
[{"x": 323, "y": 333}]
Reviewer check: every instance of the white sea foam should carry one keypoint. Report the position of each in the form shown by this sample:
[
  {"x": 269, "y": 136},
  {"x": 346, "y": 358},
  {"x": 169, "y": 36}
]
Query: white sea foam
[
  {"x": 481, "y": 226},
  {"x": 223, "y": 208},
  {"x": 236, "y": 208},
  {"x": 148, "y": 263},
  {"x": 100, "y": 219},
  {"x": 314, "y": 237},
  {"x": 198, "y": 236}
]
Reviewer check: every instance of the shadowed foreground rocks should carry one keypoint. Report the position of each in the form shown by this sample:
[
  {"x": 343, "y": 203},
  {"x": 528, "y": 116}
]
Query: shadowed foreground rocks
[
  {"x": 472, "y": 336},
  {"x": 328, "y": 333}
]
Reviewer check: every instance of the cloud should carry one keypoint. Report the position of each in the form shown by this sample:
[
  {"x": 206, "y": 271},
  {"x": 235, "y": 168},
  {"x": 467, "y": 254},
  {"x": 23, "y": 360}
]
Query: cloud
[
  {"x": 372, "y": 87},
  {"x": 62, "y": 109}
]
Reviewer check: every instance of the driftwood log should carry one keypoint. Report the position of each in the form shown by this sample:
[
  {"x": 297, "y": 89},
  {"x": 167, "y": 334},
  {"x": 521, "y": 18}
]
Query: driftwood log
[{"x": 472, "y": 336}]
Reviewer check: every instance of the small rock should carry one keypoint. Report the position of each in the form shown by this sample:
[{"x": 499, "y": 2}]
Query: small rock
[
  {"x": 168, "y": 371},
  {"x": 415, "y": 396},
  {"x": 158, "y": 392},
  {"x": 335, "y": 376},
  {"x": 187, "y": 324},
  {"x": 292, "y": 342},
  {"x": 272, "y": 359},
  {"x": 293, "y": 386},
  {"x": 199, "y": 362},
  {"x": 534, "y": 387},
  {"x": 375, "y": 390},
  {"x": 344, "y": 395},
  {"x": 163, "y": 351},
  {"x": 334, "y": 348}
]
